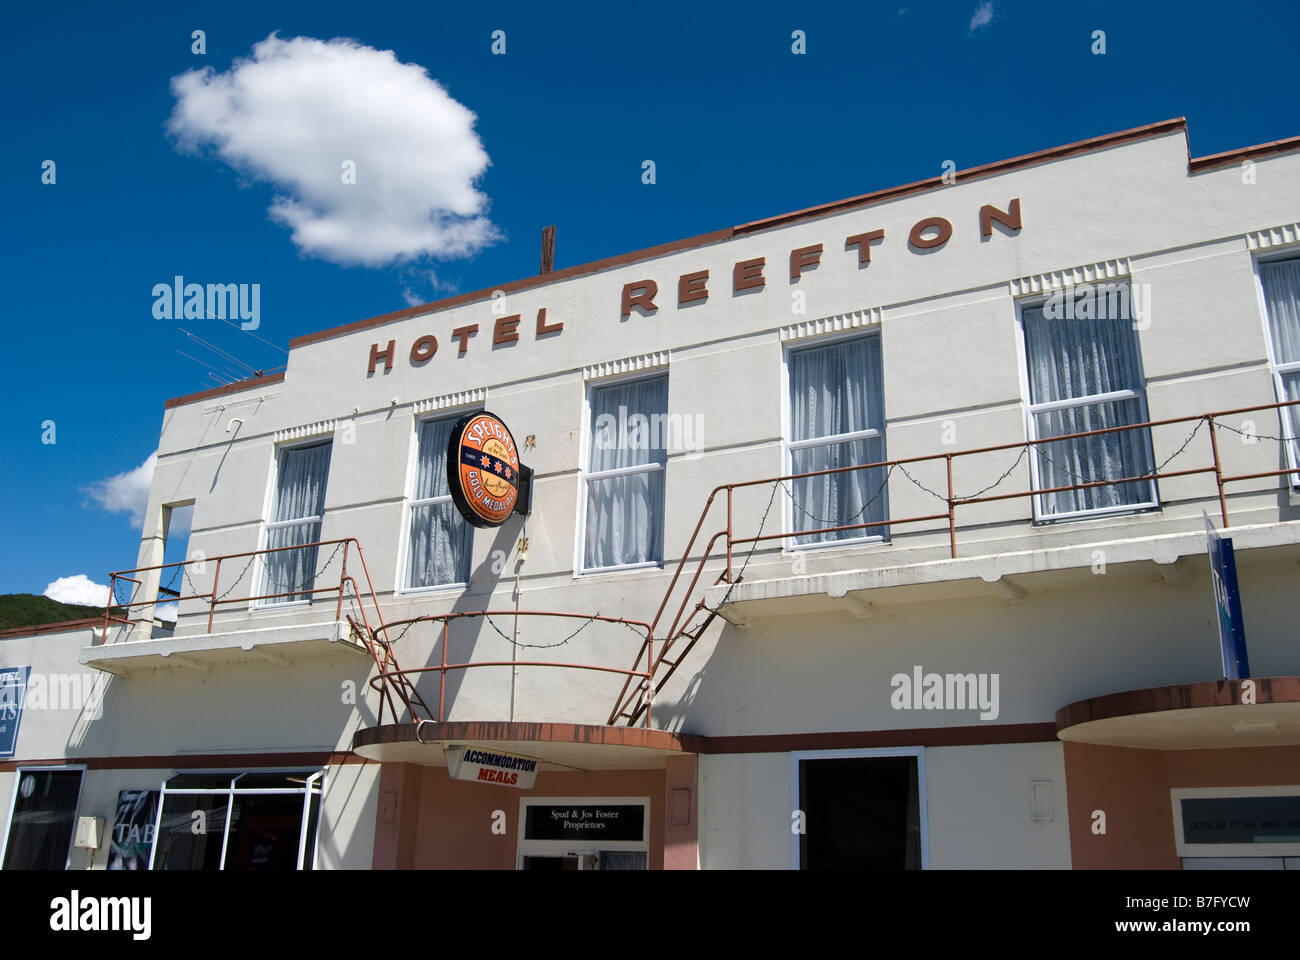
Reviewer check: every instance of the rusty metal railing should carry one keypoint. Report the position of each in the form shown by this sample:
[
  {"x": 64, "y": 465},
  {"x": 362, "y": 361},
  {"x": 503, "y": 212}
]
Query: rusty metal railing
[
  {"x": 402, "y": 678},
  {"x": 685, "y": 626},
  {"x": 214, "y": 599},
  {"x": 653, "y": 666}
]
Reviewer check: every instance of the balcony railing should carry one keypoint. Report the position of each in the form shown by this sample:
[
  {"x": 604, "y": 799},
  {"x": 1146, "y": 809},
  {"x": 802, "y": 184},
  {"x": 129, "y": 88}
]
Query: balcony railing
[
  {"x": 689, "y": 621},
  {"x": 653, "y": 666},
  {"x": 227, "y": 593},
  {"x": 403, "y": 681}
]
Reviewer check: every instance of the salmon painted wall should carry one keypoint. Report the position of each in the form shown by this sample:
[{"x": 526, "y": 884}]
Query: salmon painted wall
[
  {"x": 1132, "y": 788},
  {"x": 444, "y": 824}
]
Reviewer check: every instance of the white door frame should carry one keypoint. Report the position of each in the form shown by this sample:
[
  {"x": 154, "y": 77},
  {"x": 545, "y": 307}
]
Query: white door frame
[{"x": 861, "y": 752}]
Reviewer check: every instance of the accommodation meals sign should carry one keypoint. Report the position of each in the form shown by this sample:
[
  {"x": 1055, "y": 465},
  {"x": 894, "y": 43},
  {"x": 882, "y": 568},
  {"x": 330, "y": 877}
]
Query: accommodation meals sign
[{"x": 491, "y": 766}]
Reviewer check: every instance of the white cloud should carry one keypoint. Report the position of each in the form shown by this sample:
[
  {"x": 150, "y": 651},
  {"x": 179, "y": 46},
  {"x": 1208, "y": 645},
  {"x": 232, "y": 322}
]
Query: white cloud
[
  {"x": 982, "y": 16},
  {"x": 79, "y": 589},
  {"x": 125, "y": 492},
  {"x": 411, "y": 292},
  {"x": 295, "y": 111}
]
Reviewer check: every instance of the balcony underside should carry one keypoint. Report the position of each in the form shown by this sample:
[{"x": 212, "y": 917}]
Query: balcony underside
[
  {"x": 1193, "y": 716},
  {"x": 559, "y": 746},
  {"x": 285, "y": 646},
  {"x": 1008, "y": 577}
]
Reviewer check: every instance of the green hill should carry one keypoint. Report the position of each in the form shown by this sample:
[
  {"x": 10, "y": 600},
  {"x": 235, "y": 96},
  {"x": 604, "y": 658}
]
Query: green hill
[{"x": 30, "y": 610}]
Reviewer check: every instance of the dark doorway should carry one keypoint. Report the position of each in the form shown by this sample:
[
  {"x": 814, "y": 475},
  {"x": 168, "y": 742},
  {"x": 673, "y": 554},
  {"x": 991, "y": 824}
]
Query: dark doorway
[{"x": 860, "y": 813}]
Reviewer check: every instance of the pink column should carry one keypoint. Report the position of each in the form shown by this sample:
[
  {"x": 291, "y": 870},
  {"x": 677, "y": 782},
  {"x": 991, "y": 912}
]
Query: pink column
[
  {"x": 398, "y": 819},
  {"x": 681, "y": 813}
]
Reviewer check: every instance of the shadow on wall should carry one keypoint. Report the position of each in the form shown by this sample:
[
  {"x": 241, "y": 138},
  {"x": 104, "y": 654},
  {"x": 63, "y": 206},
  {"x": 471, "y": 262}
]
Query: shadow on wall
[
  {"x": 345, "y": 838},
  {"x": 484, "y": 582}
]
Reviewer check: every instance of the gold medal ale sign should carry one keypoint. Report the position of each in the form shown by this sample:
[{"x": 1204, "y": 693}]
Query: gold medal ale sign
[{"x": 487, "y": 481}]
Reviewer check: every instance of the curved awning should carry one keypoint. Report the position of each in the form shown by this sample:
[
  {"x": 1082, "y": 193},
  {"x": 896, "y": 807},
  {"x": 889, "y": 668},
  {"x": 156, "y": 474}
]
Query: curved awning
[
  {"x": 1190, "y": 716},
  {"x": 559, "y": 746}
]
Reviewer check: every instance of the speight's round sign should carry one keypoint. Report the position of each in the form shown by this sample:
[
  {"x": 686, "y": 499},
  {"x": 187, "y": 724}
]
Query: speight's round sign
[{"x": 483, "y": 469}]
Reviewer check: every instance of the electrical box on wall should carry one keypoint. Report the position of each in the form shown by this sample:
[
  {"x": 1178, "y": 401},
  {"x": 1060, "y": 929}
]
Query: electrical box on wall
[
  {"x": 90, "y": 830},
  {"x": 1042, "y": 801}
]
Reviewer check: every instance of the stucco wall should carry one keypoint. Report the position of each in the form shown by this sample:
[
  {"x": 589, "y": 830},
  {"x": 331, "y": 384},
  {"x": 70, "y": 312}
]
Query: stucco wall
[
  {"x": 977, "y": 809},
  {"x": 952, "y": 369}
]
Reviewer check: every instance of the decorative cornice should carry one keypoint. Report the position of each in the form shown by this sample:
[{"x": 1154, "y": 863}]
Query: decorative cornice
[
  {"x": 836, "y": 324},
  {"x": 463, "y": 399},
  {"x": 1070, "y": 277},
  {"x": 1274, "y": 237},
  {"x": 647, "y": 361},
  {"x": 306, "y": 430}
]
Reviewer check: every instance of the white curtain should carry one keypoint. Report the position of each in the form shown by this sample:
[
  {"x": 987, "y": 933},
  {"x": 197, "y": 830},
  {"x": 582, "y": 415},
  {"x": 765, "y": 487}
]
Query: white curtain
[
  {"x": 300, "y": 492},
  {"x": 441, "y": 540},
  {"x": 1281, "y": 280},
  {"x": 625, "y": 514},
  {"x": 837, "y": 389},
  {"x": 1078, "y": 358}
]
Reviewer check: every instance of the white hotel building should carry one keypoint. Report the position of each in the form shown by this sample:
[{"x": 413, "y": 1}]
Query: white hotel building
[{"x": 979, "y": 649}]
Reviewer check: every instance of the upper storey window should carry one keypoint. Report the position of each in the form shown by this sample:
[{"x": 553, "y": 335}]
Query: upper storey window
[
  {"x": 1085, "y": 373},
  {"x": 296, "y": 514},
  {"x": 439, "y": 540},
  {"x": 837, "y": 419},
  {"x": 624, "y": 515},
  {"x": 1280, "y": 280}
]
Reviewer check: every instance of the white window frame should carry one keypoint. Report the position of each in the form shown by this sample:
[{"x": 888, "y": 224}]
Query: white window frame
[
  {"x": 403, "y": 572},
  {"x": 854, "y": 754},
  {"x": 1031, "y": 424},
  {"x": 1279, "y": 369},
  {"x": 586, "y": 475},
  {"x": 561, "y": 848},
  {"x": 272, "y": 492},
  {"x": 789, "y": 545},
  {"x": 1184, "y": 849},
  {"x": 13, "y": 804},
  {"x": 311, "y": 788}
]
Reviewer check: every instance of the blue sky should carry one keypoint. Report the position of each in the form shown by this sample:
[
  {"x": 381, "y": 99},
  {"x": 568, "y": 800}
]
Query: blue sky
[{"x": 738, "y": 126}]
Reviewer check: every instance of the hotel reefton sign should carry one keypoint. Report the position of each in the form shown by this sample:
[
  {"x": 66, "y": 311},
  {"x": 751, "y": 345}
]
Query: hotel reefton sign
[{"x": 929, "y": 233}]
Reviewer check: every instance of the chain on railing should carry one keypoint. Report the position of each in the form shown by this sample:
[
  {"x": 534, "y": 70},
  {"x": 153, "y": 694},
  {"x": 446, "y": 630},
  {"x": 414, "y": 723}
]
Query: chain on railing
[
  {"x": 392, "y": 675},
  {"x": 684, "y": 623},
  {"x": 306, "y": 587},
  {"x": 651, "y": 668}
]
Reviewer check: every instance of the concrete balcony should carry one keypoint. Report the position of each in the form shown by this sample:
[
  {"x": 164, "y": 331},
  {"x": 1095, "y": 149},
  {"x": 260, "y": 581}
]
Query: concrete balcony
[{"x": 283, "y": 646}]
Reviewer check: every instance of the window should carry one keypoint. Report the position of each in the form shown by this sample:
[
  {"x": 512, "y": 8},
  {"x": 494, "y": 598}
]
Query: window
[
  {"x": 296, "y": 519},
  {"x": 251, "y": 821},
  {"x": 440, "y": 542},
  {"x": 861, "y": 809},
  {"x": 624, "y": 516},
  {"x": 1280, "y": 280},
  {"x": 41, "y": 824},
  {"x": 1230, "y": 822},
  {"x": 1083, "y": 375},
  {"x": 837, "y": 419}
]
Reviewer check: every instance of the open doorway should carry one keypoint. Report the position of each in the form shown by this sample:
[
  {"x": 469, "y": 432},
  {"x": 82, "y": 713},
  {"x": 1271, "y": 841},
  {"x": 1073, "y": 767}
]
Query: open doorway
[{"x": 859, "y": 810}]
